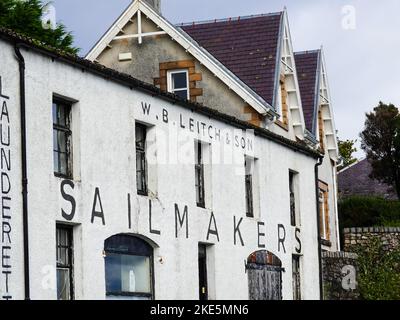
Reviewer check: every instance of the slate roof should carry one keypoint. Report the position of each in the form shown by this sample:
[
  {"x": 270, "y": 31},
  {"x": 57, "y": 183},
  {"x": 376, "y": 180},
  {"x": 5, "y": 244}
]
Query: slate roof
[
  {"x": 247, "y": 46},
  {"x": 355, "y": 181},
  {"x": 307, "y": 64}
]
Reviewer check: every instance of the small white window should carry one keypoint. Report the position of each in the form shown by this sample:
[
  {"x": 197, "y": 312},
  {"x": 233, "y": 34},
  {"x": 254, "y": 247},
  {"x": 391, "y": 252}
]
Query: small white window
[{"x": 178, "y": 83}]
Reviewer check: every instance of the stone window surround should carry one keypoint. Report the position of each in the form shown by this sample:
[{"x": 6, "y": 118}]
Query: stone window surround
[{"x": 190, "y": 66}]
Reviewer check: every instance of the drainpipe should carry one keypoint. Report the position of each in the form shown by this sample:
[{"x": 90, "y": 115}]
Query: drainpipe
[
  {"x": 21, "y": 62},
  {"x": 321, "y": 287}
]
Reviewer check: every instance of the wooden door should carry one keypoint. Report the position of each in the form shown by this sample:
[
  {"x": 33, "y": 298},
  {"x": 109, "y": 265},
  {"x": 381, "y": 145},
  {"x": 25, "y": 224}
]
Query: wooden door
[{"x": 264, "y": 276}]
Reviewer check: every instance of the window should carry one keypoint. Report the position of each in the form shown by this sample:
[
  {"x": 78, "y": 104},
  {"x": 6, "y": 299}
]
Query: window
[
  {"x": 292, "y": 199},
  {"x": 199, "y": 172},
  {"x": 324, "y": 211},
  {"x": 65, "y": 260},
  {"x": 248, "y": 163},
  {"x": 62, "y": 139},
  {"x": 178, "y": 83},
  {"x": 141, "y": 163},
  {"x": 128, "y": 268},
  {"x": 296, "y": 277}
]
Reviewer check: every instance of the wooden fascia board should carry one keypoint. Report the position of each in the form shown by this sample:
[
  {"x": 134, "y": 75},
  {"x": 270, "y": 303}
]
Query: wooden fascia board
[{"x": 111, "y": 33}]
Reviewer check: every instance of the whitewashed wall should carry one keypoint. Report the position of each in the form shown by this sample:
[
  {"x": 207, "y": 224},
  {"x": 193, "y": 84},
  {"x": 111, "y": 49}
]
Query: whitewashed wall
[{"x": 104, "y": 158}]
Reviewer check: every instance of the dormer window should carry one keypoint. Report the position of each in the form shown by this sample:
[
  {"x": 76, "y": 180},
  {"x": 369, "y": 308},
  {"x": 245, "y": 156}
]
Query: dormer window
[{"x": 178, "y": 83}]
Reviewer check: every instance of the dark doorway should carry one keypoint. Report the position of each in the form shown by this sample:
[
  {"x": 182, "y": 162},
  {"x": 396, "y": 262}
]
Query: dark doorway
[{"x": 203, "y": 285}]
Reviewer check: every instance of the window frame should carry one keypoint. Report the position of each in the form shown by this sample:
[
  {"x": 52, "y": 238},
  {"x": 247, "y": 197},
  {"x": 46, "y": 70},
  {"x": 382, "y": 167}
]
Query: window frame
[
  {"x": 150, "y": 295},
  {"x": 292, "y": 196},
  {"x": 199, "y": 174},
  {"x": 323, "y": 203},
  {"x": 170, "y": 82},
  {"x": 65, "y": 129},
  {"x": 143, "y": 155},
  {"x": 322, "y": 213},
  {"x": 249, "y": 192},
  {"x": 296, "y": 277},
  {"x": 70, "y": 251}
]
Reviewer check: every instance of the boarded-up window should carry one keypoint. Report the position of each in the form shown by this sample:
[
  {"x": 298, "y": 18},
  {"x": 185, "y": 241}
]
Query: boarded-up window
[
  {"x": 324, "y": 211},
  {"x": 265, "y": 276}
]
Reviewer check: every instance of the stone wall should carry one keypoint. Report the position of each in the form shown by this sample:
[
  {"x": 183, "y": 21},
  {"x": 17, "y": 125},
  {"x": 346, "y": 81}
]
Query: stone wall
[
  {"x": 340, "y": 276},
  {"x": 390, "y": 237}
]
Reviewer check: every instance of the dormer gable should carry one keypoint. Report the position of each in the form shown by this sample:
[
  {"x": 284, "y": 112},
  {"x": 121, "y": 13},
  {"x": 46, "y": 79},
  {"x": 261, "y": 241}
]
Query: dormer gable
[
  {"x": 316, "y": 100},
  {"x": 142, "y": 15}
]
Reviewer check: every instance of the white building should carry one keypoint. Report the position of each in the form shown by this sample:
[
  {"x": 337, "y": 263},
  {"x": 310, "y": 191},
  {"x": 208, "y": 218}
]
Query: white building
[{"x": 112, "y": 188}]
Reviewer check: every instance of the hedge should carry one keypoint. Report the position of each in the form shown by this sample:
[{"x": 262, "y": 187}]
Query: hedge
[{"x": 368, "y": 212}]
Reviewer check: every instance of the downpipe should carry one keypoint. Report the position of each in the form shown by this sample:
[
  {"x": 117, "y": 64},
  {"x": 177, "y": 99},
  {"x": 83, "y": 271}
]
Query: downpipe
[
  {"x": 321, "y": 287},
  {"x": 21, "y": 62}
]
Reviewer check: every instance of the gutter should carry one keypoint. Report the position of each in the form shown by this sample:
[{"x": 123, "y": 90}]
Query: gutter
[
  {"x": 321, "y": 287},
  {"x": 21, "y": 62}
]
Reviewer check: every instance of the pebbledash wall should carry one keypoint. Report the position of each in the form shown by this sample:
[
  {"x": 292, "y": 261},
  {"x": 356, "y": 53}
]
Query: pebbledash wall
[{"x": 105, "y": 197}]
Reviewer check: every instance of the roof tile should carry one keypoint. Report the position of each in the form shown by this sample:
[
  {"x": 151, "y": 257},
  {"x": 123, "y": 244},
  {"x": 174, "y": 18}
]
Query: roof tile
[
  {"x": 307, "y": 65},
  {"x": 246, "y": 46},
  {"x": 356, "y": 181}
]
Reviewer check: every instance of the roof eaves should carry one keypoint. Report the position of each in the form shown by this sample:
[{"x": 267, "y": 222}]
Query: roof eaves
[
  {"x": 131, "y": 7},
  {"x": 107, "y": 31},
  {"x": 316, "y": 87},
  {"x": 316, "y": 93},
  {"x": 278, "y": 60}
]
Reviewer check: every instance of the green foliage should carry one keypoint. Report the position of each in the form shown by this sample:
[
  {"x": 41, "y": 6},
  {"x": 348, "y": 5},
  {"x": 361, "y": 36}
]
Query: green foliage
[
  {"x": 379, "y": 271},
  {"x": 25, "y": 17},
  {"x": 368, "y": 212},
  {"x": 346, "y": 150},
  {"x": 381, "y": 142}
]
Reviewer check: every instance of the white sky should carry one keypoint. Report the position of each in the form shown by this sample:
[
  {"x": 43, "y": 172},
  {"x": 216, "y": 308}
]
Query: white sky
[{"x": 362, "y": 62}]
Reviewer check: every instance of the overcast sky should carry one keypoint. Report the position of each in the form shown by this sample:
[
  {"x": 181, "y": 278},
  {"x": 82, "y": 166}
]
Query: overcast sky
[{"x": 360, "y": 39}]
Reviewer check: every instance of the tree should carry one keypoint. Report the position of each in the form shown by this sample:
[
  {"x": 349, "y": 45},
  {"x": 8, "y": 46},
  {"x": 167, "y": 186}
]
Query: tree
[
  {"x": 25, "y": 17},
  {"x": 381, "y": 142},
  {"x": 346, "y": 150}
]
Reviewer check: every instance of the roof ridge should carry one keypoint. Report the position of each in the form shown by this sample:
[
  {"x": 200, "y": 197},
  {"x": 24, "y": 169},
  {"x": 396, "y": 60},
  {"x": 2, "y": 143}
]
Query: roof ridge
[
  {"x": 353, "y": 164},
  {"x": 231, "y": 19}
]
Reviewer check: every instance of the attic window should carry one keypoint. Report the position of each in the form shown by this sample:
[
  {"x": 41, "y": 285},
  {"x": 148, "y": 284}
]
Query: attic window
[{"x": 178, "y": 83}]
